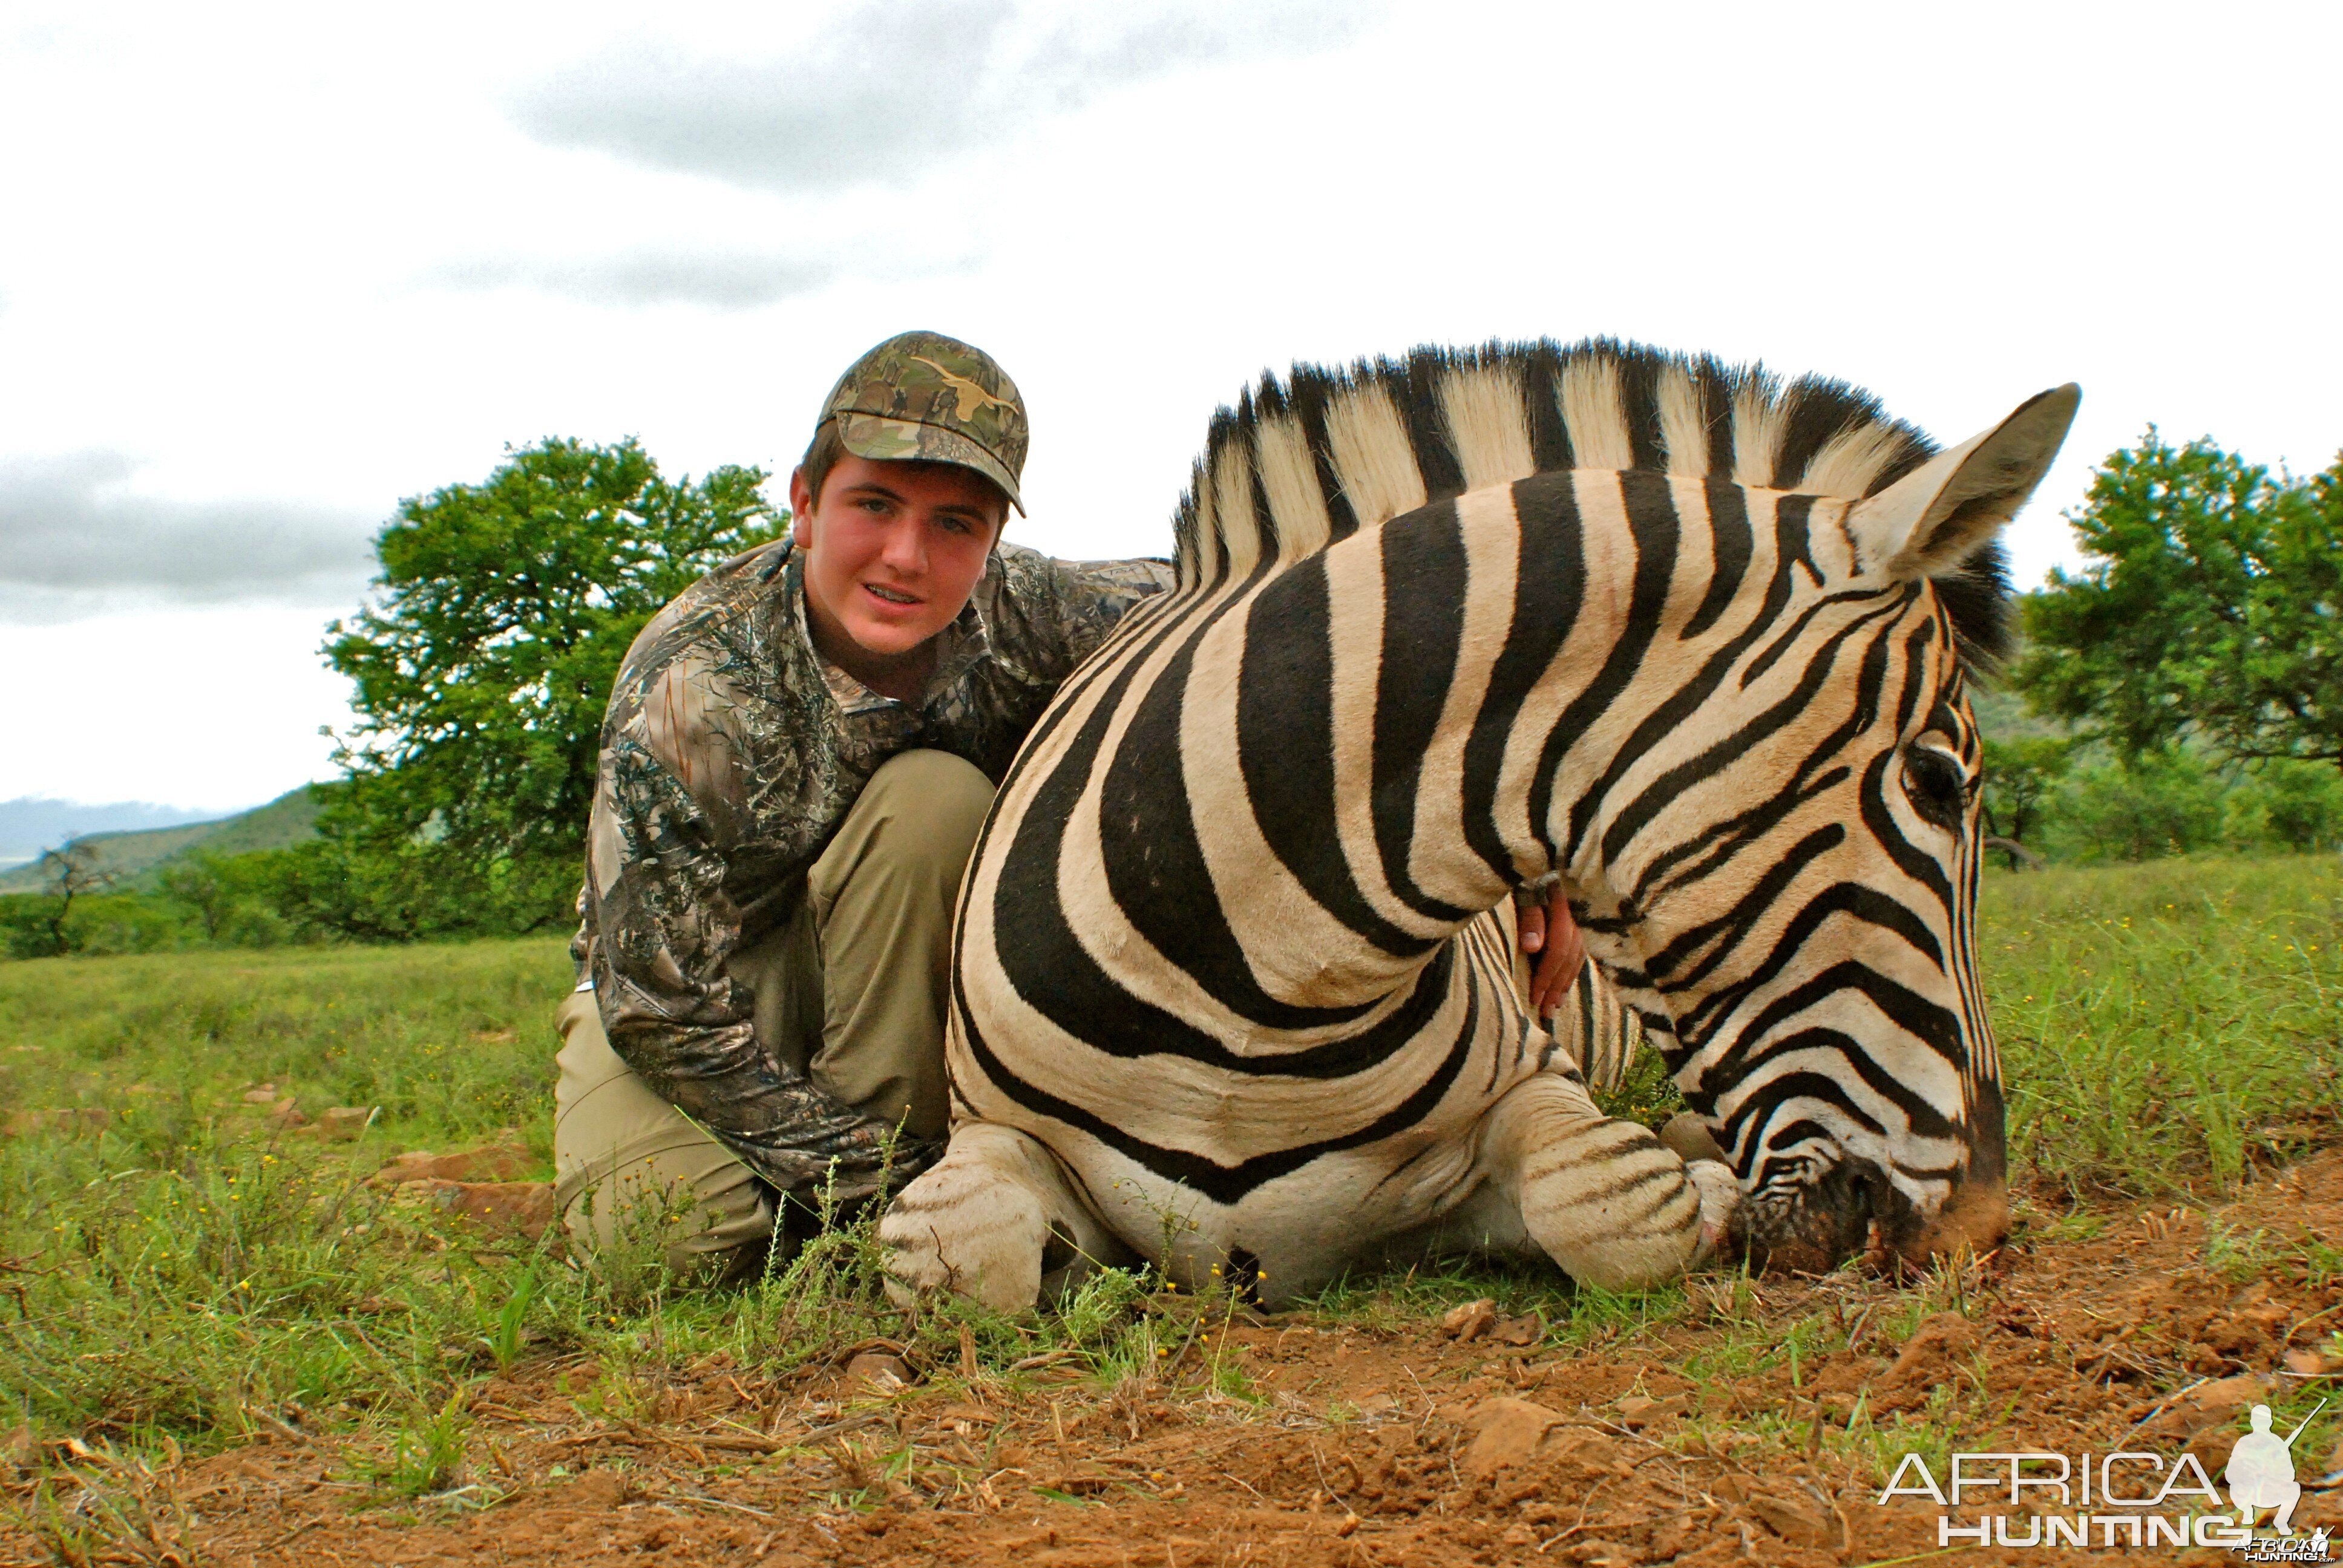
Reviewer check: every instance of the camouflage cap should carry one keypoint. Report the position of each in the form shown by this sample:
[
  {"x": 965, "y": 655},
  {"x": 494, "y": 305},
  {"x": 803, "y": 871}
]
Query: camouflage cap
[{"x": 921, "y": 395}]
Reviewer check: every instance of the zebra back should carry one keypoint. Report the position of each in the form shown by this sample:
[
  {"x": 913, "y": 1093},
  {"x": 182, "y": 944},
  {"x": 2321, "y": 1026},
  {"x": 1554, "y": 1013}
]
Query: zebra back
[{"x": 1301, "y": 463}]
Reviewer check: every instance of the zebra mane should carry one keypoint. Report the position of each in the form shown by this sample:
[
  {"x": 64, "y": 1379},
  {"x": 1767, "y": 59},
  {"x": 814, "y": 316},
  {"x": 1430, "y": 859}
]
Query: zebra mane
[{"x": 1301, "y": 463}]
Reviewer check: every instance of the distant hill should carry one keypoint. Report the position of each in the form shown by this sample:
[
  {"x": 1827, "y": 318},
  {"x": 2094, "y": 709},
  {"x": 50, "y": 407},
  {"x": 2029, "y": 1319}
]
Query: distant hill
[
  {"x": 139, "y": 855},
  {"x": 29, "y": 824}
]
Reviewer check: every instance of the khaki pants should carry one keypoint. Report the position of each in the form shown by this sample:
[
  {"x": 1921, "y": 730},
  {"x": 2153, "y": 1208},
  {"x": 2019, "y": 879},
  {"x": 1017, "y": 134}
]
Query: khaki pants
[{"x": 849, "y": 990}]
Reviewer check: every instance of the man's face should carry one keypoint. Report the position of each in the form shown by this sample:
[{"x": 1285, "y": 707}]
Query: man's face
[{"x": 893, "y": 549}]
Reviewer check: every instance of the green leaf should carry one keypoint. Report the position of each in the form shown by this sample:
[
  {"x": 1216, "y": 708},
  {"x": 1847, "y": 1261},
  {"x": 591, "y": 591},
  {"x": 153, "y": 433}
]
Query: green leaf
[{"x": 482, "y": 664}]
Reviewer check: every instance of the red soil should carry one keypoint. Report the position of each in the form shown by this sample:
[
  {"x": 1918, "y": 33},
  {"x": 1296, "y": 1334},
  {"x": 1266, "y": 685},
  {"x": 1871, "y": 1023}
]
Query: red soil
[{"x": 1467, "y": 1451}]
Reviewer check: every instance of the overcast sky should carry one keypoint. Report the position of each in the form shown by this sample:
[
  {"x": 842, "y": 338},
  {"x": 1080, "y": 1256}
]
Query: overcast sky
[{"x": 264, "y": 272}]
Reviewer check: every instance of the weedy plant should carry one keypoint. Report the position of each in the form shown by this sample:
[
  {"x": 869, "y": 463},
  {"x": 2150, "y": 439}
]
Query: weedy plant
[
  {"x": 116, "y": 1510},
  {"x": 427, "y": 1450}
]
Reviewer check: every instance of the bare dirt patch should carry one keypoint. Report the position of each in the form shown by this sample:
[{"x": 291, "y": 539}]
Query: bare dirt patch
[{"x": 1750, "y": 1426}]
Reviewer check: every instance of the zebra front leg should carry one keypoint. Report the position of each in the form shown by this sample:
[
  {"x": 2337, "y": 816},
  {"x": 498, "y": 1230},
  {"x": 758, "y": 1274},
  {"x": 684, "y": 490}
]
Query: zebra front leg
[
  {"x": 996, "y": 1220},
  {"x": 1604, "y": 1198}
]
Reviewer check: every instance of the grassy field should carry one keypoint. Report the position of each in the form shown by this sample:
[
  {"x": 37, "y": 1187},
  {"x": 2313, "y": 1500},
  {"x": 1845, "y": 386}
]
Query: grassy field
[
  {"x": 177, "y": 1273},
  {"x": 2164, "y": 1026}
]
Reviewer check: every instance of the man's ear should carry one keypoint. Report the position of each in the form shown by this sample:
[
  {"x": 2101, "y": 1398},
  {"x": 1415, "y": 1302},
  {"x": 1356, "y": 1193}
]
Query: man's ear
[
  {"x": 1943, "y": 512},
  {"x": 800, "y": 509}
]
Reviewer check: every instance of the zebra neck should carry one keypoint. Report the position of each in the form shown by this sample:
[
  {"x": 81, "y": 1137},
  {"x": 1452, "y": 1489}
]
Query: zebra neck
[{"x": 1382, "y": 700}]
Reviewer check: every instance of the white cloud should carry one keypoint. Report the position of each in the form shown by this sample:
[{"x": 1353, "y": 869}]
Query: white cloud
[
  {"x": 735, "y": 280},
  {"x": 885, "y": 92},
  {"x": 70, "y": 527}
]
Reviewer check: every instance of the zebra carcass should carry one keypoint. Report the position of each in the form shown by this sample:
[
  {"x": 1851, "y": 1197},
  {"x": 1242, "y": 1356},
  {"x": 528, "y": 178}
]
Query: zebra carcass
[{"x": 1233, "y": 985}]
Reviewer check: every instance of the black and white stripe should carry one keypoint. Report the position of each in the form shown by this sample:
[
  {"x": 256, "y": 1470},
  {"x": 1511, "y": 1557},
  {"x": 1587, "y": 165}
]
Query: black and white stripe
[{"x": 1233, "y": 975}]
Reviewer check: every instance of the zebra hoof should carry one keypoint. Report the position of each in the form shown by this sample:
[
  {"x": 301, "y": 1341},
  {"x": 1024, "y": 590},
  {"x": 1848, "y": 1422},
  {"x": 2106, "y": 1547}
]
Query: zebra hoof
[{"x": 1720, "y": 1206}]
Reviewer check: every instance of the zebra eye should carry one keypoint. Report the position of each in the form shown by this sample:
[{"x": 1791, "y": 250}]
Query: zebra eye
[{"x": 1934, "y": 783}]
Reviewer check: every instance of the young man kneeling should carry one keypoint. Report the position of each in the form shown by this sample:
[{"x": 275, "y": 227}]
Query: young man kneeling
[{"x": 799, "y": 753}]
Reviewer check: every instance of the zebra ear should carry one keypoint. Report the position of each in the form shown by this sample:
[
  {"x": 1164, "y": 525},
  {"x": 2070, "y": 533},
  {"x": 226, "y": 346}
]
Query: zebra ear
[{"x": 1935, "y": 516}]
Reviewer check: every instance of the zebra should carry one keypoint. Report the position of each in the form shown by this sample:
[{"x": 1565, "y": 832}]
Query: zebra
[{"x": 1234, "y": 987}]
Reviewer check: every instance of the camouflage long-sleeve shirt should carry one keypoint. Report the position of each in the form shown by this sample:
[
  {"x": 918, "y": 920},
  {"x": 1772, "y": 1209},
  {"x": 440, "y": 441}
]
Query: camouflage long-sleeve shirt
[{"x": 730, "y": 754}]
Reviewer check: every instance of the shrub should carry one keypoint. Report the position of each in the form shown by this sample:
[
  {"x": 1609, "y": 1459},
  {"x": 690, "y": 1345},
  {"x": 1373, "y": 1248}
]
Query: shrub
[
  {"x": 2286, "y": 805},
  {"x": 2158, "y": 803}
]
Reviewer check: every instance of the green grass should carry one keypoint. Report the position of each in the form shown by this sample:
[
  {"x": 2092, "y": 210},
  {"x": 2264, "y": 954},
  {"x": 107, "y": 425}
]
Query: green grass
[
  {"x": 185, "y": 1274},
  {"x": 2164, "y": 1025},
  {"x": 451, "y": 1041}
]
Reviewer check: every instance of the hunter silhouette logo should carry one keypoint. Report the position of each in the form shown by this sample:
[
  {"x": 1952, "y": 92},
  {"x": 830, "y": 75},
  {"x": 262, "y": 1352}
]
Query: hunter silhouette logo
[{"x": 2260, "y": 1473}]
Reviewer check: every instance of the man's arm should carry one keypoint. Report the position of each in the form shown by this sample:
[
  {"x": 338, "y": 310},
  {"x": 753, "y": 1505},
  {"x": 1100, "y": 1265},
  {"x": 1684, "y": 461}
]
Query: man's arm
[
  {"x": 665, "y": 931},
  {"x": 1098, "y": 594},
  {"x": 1053, "y": 614}
]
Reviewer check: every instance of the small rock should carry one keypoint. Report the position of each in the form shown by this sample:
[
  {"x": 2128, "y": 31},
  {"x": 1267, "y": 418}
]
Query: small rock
[
  {"x": 519, "y": 1208},
  {"x": 60, "y": 1119},
  {"x": 1637, "y": 1412},
  {"x": 1799, "y": 1524},
  {"x": 1521, "y": 1331},
  {"x": 524, "y": 1208},
  {"x": 883, "y": 1372},
  {"x": 2304, "y": 1363},
  {"x": 962, "y": 1417},
  {"x": 596, "y": 1489},
  {"x": 1507, "y": 1431},
  {"x": 489, "y": 1162},
  {"x": 1469, "y": 1321},
  {"x": 342, "y": 1124},
  {"x": 1932, "y": 1350},
  {"x": 2224, "y": 1395},
  {"x": 2207, "y": 1404},
  {"x": 263, "y": 1095}
]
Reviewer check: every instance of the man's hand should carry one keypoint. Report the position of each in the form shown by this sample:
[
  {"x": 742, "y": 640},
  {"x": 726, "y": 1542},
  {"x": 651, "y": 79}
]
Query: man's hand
[{"x": 1556, "y": 947}]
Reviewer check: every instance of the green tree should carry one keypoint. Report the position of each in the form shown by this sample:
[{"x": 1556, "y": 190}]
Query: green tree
[
  {"x": 2294, "y": 805},
  {"x": 230, "y": 899},
  {"x": 2138, "y": 808},
  {"x": 71, "y": 871},
  {"x": 2209, "y": 607},
  {"x": 482, "y": 667},
  {"x": 2019, "y": 776}
]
